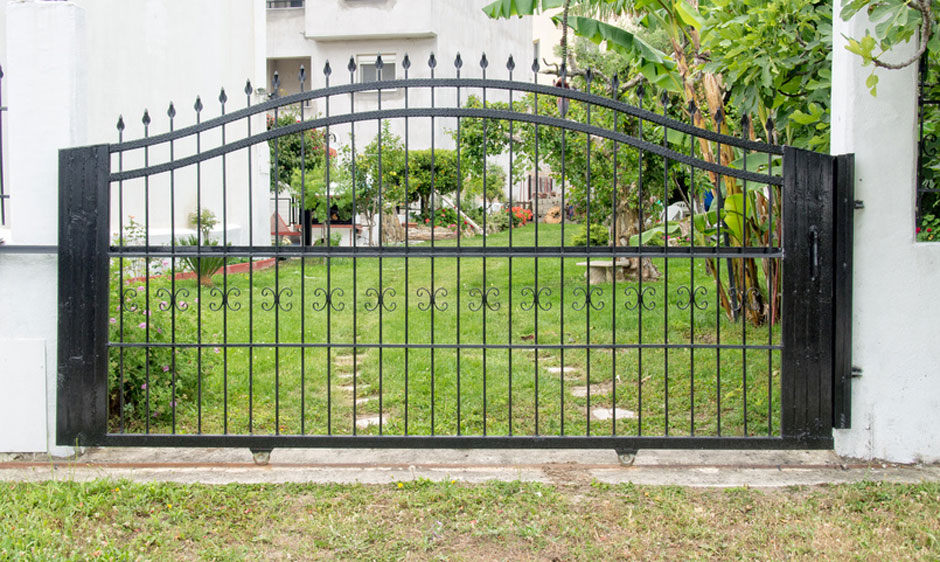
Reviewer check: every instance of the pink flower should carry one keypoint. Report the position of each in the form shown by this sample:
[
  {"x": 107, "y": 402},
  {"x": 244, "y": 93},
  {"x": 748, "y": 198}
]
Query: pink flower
[
  {"x": 142, "y": 325},
  {"x": 217, "y": 350},
  {"x": 143, "y": 386},
  {"x": 141, "y": 288},
  {"x": 113, "y": 320},
  {"x": 163, "y": 304},
  {"x": 166, "y": 368}
]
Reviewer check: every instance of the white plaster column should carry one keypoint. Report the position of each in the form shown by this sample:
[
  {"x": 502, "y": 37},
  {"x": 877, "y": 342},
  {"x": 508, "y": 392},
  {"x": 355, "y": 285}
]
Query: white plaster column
[
  {"x": 896, "y": 401},
  {"x": 46, "y": 95}
]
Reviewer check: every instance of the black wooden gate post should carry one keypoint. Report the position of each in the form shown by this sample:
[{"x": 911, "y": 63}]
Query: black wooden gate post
[
  {"x": 82, "y": 382},
  {"x": 808, "y": 293}
]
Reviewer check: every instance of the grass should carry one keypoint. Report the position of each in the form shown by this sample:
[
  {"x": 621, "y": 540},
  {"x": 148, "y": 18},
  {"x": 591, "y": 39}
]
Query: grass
[
  {"x": 309, "y": 390},
  {"x": 108, "y": 520}
]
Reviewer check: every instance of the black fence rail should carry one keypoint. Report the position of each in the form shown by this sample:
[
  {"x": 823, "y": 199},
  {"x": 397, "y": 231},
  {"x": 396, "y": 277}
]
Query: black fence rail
[
  {"x": 3, "y": 194},
  {"x": 928, "y": 154},
  {"x": 399, "y": 323}
]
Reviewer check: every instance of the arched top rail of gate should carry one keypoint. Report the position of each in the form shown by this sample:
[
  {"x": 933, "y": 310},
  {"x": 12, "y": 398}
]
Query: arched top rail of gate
[{"x": 435, "y": 84}]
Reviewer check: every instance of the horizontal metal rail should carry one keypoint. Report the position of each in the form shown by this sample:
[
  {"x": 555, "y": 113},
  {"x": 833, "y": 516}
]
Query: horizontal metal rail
[
  {"x": 454, "y": 112},
  {"x": 269, "y": 441},
  {"x": 519, "y": 346},
  {"x": 453, "y": 83},
  {"x": 428, "y": 251},
  {"x": 27, "y": 249}
]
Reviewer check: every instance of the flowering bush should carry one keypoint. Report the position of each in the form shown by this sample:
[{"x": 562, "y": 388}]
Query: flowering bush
[
  {"x": 520, "y": 216},
  {"x": 445, "y": 217},
  {"x": 929, "y": 229},
  {"x": 149, "y": 374}
]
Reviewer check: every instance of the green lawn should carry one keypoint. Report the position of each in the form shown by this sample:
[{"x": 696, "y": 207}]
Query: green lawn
[
  {"x": 315, "y": 382},
  {"x": 108, "y": 520}
]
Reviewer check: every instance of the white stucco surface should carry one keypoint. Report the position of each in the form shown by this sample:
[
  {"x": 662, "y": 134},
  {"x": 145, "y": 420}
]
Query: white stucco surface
[
  {"x": 71, "y": 69},
  {"x": 896, "y": 401}
]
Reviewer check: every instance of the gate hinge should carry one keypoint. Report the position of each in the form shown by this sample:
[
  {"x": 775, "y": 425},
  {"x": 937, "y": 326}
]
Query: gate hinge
[
  {"x": 859, "y": 204},
  {"x": 856, "y": 372}
]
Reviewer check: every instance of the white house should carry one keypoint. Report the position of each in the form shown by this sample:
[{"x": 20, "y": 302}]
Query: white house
[{"x": 311, "y": 33}]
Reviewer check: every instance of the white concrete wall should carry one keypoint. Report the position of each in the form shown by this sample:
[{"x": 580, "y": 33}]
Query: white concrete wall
[
  {"x": 72, "y": 68},
  {"x": 896, "y": 402}
]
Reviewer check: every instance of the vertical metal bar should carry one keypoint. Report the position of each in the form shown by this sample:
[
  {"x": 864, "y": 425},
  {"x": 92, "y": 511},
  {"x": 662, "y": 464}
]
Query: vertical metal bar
[
  {"x": 174, "y": 301},
  {"x": 483, "y": 65},
  {"x": 692, "y": 197},
  {"x": 745, "y": 299},
  {"x": 587, "y": 283},
  {"x": 535, "y": 291},
  {"x": 352, "y": 136},
  {"x": 719, "y": 200},
  {"x": 82, "y": 381},
  {"x": 510, "y": 66},
  {"x": 432, "y": 63},
  {"x": 561, "y": 295},
  {"x": 304, "y": 242},
  {"x": 664, "y": 99},
  {"x": 327, "y": 71},
  {"x": 251, "y": 271},
  {"x": 458, "y": 63},
  {"x": 3, "y": 195},
  {"x": 844, "y": 237},
  {"x": 123, "y": 244},
  {"x": 772, "y": 284},
  {"x": 222, "y": 99},
  {"x": 198, "y": 107},
  {"x": 406, "y": 64},
  {"x": 277, "y": 266},
  {"x": 378, "y": 69},
  {"x": 147, "y": 311},
  {"x": 615, "y": 242},
  {"x": 639, "y": 296}
]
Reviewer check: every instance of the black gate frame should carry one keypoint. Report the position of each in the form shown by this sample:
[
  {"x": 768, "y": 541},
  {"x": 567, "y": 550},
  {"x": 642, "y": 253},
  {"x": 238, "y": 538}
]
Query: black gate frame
[{"x": 817, "y": 296}]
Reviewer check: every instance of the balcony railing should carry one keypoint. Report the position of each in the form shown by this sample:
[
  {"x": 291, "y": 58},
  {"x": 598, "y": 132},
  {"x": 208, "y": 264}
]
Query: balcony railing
[{"x": 275, "y": 4}]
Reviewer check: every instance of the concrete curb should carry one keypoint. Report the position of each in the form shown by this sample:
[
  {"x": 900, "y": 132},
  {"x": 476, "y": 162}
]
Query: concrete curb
[{"x": 761, "y": 469}]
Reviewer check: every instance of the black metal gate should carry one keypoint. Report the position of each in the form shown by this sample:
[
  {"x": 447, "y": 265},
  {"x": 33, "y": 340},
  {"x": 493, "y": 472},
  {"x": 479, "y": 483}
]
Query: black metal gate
[{"x": 725, "y": 324}]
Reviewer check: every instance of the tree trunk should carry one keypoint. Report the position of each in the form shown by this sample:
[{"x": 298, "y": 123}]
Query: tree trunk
[
  {"x": 392, "y": 230},
  {"x": 625, "y": 223}
]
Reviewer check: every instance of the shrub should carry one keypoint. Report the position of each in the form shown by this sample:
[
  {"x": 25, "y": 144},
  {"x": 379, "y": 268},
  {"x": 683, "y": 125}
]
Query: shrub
[
  {"x": 929, "y": 229},
  {"x": 150, "y": 373},
  {"x": 598, "y": 234}
]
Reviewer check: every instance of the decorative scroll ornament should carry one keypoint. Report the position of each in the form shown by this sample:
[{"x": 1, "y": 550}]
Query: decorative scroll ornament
[
  {"x": 751, "y": 298},
  {"x": 225, "y": 299},
  {"x": 172, "y": 299},
  {"x": 537, "y": 299},
  {"x": 588, "y": 298},
  {"x": 128, "y": 296},
  {"x": 329, "y": 300},
  {"x": 692, "y": 297},
  {"x": 277, "y": 298},
  {"x": 433, "y": 297},
  {"x": 380, "y": 299},
  {"x": 637, "y": 298},
  {"x": 485, "y": 299}
]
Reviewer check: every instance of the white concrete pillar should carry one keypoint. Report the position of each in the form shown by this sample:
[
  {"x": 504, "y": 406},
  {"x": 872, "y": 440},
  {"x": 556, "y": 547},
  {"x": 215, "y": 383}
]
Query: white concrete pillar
[
  {"x": 896, "y": 402},
  {"x": 47, "y": 100}
]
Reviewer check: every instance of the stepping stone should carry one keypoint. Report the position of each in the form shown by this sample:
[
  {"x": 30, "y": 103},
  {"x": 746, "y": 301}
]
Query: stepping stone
[
  {"x": 598, "y": 389},
  {"x": 344, "y": 376},
  {"x": 346, "y": 360},
  {"x": 364, "y": 399},
  {"x": 608, "y": 413},
  {"x": 349, "y": 388},
  {"x": 565, "y": 370},
  {"x": 362, "y": 422}
]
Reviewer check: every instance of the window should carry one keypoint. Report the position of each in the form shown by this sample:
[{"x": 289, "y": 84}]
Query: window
[
  {"x": 369, "y": 73},
  {"x": 285, "y": 3}
]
